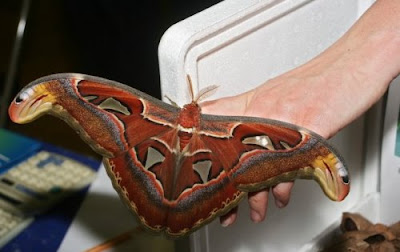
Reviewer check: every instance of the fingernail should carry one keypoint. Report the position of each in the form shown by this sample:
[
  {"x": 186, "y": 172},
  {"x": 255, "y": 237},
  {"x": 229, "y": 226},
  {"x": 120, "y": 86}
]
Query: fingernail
[
  {"x": 279, "y": 204},
  {"x": 226, "y": 222},
  {"x": 255, "y": 216}
]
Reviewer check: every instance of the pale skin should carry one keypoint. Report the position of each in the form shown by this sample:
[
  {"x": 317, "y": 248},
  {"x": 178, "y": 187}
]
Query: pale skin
[{"x": 326, "y": 93}]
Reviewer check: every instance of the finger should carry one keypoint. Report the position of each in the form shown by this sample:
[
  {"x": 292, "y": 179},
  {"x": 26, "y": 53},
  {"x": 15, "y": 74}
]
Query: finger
[
  {"x": 281, "y": 193},
  {"x": 234, "y": 105},
  {"x": 258, "y": 202},
  {"x": 229, "y": 218}
]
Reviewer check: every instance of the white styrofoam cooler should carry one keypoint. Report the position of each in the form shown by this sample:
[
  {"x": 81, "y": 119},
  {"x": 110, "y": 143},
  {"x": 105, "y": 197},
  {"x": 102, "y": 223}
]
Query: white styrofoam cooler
[{"x": 239, "y": 44}]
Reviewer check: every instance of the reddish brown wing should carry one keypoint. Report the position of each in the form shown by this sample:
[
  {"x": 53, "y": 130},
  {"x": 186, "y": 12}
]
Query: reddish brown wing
[{"x": 265, "y": 152}]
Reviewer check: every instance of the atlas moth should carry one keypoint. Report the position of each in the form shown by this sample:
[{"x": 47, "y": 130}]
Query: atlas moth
[{"x": 175, "y": 168}]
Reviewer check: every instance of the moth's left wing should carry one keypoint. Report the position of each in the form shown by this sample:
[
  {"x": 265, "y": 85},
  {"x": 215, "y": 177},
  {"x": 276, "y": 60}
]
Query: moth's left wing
[{"x": 119, "y": 123}]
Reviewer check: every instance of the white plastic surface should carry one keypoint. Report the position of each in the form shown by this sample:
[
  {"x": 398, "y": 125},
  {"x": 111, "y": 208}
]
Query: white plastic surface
[{"x": 239, "y": 45}]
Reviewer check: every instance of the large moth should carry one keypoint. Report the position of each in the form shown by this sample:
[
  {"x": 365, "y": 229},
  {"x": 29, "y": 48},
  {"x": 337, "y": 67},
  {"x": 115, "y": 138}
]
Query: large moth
[{"x": 175, "y": 168}]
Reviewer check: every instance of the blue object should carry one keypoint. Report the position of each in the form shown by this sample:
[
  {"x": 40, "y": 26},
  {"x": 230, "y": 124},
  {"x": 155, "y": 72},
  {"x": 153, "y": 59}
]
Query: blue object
[
  {"x": 47, "y": 231},
  {"x": 15, "y": 148}
]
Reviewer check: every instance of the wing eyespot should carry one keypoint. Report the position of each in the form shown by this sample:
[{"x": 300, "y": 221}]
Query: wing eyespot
[
  {"x": 23, "y": 96},
  {"x": 345, "y": 179},
  {"x": 20, "y": 98}
]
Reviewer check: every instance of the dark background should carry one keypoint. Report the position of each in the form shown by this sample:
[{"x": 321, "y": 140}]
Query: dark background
[{"x": 116, "y": 40}]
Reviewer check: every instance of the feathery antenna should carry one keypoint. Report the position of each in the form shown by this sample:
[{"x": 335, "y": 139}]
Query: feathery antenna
[
  {"x": 190, "y": 84},
  {"x": 203, "y": 93}
]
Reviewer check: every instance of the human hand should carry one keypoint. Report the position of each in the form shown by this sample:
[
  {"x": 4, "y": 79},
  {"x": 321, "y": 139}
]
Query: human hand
[
  {"x": 298, "y": 98},
  {"x": 296, "y": 106}
]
